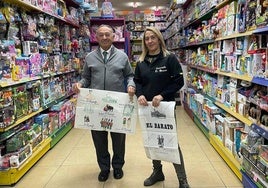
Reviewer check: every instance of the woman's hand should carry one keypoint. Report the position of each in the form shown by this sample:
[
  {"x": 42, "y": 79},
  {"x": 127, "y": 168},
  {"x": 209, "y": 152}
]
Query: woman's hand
[
  {"x": 76, "y": 87},
  {"x": 156, "y": 100},
  {"x": 142, "y": 100}
]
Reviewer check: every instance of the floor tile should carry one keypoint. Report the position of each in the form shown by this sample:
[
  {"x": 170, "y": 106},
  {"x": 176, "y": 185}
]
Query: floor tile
[{"x": 72, "y": 163}]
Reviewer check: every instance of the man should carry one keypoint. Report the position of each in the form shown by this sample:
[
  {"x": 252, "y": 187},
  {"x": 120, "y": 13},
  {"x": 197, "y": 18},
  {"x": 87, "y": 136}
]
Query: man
[{"x": 108, "y": 68}]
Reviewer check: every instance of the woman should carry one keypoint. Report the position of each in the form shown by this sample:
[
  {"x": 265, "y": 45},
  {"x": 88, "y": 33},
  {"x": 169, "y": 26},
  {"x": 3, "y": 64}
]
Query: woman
[{"x": 158, "y": 76}]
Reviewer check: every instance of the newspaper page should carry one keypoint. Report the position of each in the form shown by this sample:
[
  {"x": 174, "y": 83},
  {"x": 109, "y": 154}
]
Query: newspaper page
[
  {"x": 159, "y": 131},
  {"x": 106, "y": 111}
]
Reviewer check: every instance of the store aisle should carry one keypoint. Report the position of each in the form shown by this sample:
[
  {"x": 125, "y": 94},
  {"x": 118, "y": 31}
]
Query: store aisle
[{"x": 72, "y": 163}]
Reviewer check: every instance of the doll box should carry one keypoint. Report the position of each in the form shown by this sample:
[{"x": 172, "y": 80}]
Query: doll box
[
  {"x": 30, "y": 47},
  {"x": 241, "y": 98},
  {"x": 212, "y": 109},
  {"x": 219, "y": 126},
  {"x": 233, "y": 122},
  {"x": 229, "y": 144}
]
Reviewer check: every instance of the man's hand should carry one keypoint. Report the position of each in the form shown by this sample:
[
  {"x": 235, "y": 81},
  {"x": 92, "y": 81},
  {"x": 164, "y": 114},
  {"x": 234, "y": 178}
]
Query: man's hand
[{"x": 131, "y": 91}]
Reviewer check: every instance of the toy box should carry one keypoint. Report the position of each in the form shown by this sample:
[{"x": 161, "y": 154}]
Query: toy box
[
  {"x": 263, "y": 152},
  {"x": 107, "y": 9},
  {"x": 29, "y": 47},
  {"x": 233, "y": 99},
  {"x": 230, "y": 24},
  {"x": 23, "y": 65},
  {"x": 61, "y": 109},
  {"x": 50, "y": 6},
  {"x": 210, "y": 111},
  {"x": 17, "y": 141},
  {"x": 229, "y": 134},
  {"x": 53, "y": 121},
  {"x": 46, "y": 93},
  {"x": 229, "y": 145},
  {"x": 262, "y": 164},
  {"x": 61, "y": 8},
  {"x": 43, "y": 120},
  {"x": 36, "y": 134},
  {"x": 243, "y": 109},
  {"x": 7, "y": 116},
  {"x": 241, "y": 98},
  {"x": 35, "y": 65},
  {"x": 241, "y": 14},
  {"x": 233, "y": 122},
  {"x": 34, "y": 95},
  {"x": 119, "y": 33},
  {"x": 251, "y": 15},
  {"x": 230, "y": 124},
  {"x": 21, "y": 101},
  {"x": 240, "y": 135},
  {"x": 5, "y": 70},
  {"x": 18, "y": 158},
  {"x": 59, "y": 88},
  {"x": 219, "y": 126},
  {"x": 7, "y": 108}
]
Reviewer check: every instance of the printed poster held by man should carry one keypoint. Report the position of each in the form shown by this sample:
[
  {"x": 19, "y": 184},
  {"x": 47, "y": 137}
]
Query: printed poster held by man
[{"x": 106, "y": 110}]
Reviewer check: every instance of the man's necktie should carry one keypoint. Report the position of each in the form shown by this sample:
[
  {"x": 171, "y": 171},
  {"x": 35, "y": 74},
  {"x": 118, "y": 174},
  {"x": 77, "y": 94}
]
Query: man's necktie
[{"x": 105, "y": 56}]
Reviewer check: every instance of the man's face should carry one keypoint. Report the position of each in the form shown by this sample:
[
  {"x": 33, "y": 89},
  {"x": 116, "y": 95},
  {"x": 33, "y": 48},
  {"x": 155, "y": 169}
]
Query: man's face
[{"x": 105, "y": 37}]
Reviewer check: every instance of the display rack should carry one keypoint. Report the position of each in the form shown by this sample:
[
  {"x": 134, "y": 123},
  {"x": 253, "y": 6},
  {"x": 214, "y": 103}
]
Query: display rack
[
  {"x": 185, "y": 25},
  {"x": 12, "y": 174}
]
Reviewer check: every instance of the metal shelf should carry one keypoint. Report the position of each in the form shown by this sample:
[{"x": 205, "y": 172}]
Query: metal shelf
[{"x": 238, "y": 116}]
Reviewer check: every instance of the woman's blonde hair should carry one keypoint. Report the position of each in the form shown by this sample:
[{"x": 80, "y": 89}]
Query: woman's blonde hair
[{"x": 161, "y": 42}]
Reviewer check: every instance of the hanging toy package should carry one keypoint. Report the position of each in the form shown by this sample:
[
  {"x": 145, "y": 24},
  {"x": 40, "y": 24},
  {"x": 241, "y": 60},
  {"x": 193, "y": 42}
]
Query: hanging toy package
[{"x": 107, "y": 9}]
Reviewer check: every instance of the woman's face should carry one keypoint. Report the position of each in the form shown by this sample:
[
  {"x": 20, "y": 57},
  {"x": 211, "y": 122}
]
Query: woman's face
[
  {"x": 152, "y": 42},
  {"x": 105, "y": 37}
]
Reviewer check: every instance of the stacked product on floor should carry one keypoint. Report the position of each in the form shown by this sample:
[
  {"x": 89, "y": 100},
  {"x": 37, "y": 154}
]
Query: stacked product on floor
[
  {"x": 40, "y": 55},
  {"x": 224, "y": 46}
]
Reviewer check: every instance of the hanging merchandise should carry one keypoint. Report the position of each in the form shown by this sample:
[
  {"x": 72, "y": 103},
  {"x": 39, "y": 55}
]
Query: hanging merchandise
[
  {"x": 107, "y": 9},
  {"x": 90, "y": 5}
]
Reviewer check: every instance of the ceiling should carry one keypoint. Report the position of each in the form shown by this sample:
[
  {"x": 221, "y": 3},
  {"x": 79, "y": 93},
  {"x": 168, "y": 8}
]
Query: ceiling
[{"x": 124, "y": 5}]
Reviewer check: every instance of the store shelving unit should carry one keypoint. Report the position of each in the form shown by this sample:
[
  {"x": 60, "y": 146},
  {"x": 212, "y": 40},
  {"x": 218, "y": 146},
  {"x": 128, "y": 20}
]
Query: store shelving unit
[
  {"x": 12, "y": 175},
  {"x": 28, "y": 7},
  {"x": 226, "y": 155},
  {"x": 177, "y": 41},
  {"x": 138, "y": 24}
]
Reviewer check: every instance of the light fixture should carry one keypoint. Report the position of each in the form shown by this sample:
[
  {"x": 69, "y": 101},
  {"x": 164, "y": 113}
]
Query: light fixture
[{"x": 135, "y": 4}]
